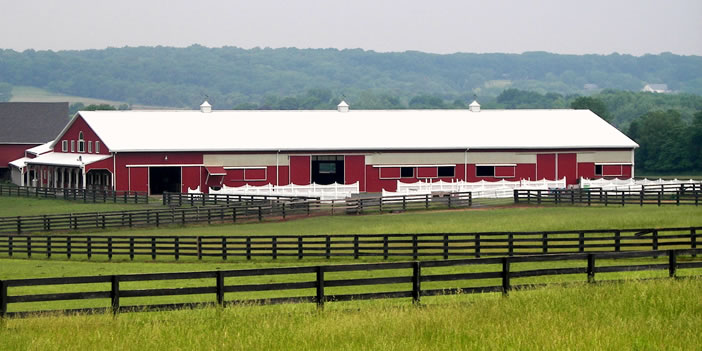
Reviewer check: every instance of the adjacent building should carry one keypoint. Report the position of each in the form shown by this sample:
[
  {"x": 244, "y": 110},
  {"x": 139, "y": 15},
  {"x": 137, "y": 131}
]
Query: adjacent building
[{"x": 159, "y": 151}]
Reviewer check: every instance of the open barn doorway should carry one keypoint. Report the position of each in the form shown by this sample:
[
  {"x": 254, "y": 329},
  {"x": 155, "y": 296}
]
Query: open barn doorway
[
  {"x": 327, "y": 169},
  {"x": 164, "y": 179}
]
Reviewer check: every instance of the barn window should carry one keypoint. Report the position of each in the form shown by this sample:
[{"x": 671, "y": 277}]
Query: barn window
[
  {"x": 64, "y": 146},
  {"x": 447, "y": 171},
  {"x": 73, "y": 146},
  {"x": 485, "y": 171},
  {"x": 406, "y": 172},
  {"x": 598, "y": 170},
  {"x": 81, "y": 142},
  {"x": 90, "y": 147},
  {"x": 97, "y": 147}
]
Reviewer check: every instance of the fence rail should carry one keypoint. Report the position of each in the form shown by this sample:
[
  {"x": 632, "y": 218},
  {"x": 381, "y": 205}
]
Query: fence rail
[
  {"x": 321, "y": 284},
  {"x": 84, "y": 195},
  {"x": 415, "y": 246},
  {"x": 199, "y": 199},
  {"x": 250, "y": 209},
  {"x": 652, "y": 195}
]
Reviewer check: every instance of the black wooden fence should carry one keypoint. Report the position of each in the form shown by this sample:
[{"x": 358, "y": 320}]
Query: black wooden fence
[
  {"x": 84, "y": 195},
  {"x": 415, "y": 246},
  {"x": 596, "y": 196},
  {"x": 181, "y": 199},
  {"x": 321, "y": 284},
  {"x": 249, "y": 210}
]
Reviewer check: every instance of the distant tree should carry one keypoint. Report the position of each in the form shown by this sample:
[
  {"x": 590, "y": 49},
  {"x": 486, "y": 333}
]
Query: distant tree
[
  {"x": 99, "y": 107},
  {"x": 5, "y": 92},
  {"x": 695, "y": 143},
  {"x": 426, "y": 102},
  {"x": 663, "y": 142},
  {"x": 75, "y": 107},
  {"x": 590, "y": 103}
]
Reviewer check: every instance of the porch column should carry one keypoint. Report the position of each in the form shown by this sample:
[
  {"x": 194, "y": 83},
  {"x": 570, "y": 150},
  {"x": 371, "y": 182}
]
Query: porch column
[
  {"x": 82, "y": 170},
  {"x": 55, "y": 176}
]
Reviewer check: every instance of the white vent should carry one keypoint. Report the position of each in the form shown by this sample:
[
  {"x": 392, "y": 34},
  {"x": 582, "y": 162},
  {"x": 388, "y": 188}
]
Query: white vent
[
  {"x": 474, "y": 106},
  {"x": 205, "y": 107},
  {"x": 342, "y": 107}
]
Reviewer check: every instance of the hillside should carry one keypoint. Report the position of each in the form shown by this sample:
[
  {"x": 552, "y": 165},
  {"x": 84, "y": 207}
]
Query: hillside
[{"x": 229, "y": 76}]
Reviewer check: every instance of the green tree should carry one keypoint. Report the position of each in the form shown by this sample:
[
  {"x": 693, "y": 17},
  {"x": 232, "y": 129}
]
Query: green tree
[
  {"x": 426, "y": 102},
  {"x": 663, "y": 142},
  {"x": 590, "y": 103}
]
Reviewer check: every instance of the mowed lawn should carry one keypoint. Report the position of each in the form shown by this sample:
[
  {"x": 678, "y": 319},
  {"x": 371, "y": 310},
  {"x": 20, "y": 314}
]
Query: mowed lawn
[
  {"x": 640, "y": 315},
  {"x": 30, "y": 206}
]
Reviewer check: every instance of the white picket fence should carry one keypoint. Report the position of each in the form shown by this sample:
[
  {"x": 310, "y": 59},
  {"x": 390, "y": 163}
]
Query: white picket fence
[
  {"x": 482, "y": 189},
  {"x": 629, "y": 184},
  {"x": 324, "y": 192}
]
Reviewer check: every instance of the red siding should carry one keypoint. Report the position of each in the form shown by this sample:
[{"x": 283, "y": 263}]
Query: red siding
[
  {"x": 567, "y": 167},
  {"x": 11, "y": 152},
  {"x": 546, "y": 166},
  {"x": 88, "y": 135},
  {"x": 255, "y": 174},
  {"x": 505, "y": 171},
  {"x": 138, "y": 179},
  {"x": 354, "y": 170},
  {"x": 175, "y": 159},
  {"x": 626, "y": 171},
  {"x": 427, "y": 172},
  {"x": 586, "y": 170},
  {"x": 190, "y": 178},
  {"x": 300, "y": 170},
  {"x": 525, "y": 171},
  {"x": 611, "y": 170},
  {"x": 373, "y": 182},
  {"x": 390, "y": 172},
  {"x": 107, "y": 164}
]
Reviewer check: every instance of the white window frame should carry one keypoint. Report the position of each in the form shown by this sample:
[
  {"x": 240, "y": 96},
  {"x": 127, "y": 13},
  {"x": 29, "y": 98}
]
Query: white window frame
[
  {"x": 64, "y": 145},
  {"x": 97, "y": 147},
  {"x": 73, "y": 146},
  {"x": 90, "y": 147}
]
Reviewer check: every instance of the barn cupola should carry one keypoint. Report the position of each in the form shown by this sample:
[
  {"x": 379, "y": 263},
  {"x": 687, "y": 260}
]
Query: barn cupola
[
  {"x": 205, "y": 107},
  {"x": 342, "y": 106},
  {"x": 474, "y": 106}
]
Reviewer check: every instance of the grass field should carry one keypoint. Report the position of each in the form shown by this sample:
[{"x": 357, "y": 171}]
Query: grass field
[
  {"x": 633, "y": 315},
  {"x": 29, "y": 206},
  {"x": 34, "y": 94},
  {"x": 661, "y": 314}
]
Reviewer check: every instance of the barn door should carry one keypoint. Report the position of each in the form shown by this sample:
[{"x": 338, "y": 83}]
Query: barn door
[
  {"x": 567, "y": 167},
  {"x": 546, "y": 166}
]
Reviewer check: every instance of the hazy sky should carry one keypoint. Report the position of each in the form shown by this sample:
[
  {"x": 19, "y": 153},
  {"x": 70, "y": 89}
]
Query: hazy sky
[{"x": 443, "y": 26}]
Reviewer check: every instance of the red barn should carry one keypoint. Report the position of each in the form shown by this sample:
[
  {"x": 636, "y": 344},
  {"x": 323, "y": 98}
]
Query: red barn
[
  {"x": 158, "y": 151},
  {"x": 25, "y": 125}
]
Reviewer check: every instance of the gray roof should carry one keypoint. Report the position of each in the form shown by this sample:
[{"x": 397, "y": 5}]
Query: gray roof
[{"x": 31, "y": 122}]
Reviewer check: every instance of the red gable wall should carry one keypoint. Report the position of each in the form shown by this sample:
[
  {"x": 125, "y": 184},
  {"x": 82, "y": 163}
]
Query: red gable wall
[{"x": 76, "y": 127}]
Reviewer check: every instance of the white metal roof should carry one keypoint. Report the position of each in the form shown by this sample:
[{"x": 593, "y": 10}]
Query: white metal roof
[
  {"x": 41, "y": 149},
  {"x": 159, "y": 130},
  {"x": 19, "y": 163},
  {"x": 66, "y": 159}
]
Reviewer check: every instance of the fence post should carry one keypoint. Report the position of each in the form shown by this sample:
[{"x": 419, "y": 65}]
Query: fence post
[
  {"x": 260, "y": 215},
  {"x": 48, "y": 247},
  {"x": 510, "y": 244},
  {"x": 581, "y": 242},
  {"x": 660, "y": 194},
  {"x": 677, "y": 197},
  {"x": 617, "y": 240},
  {"x": 328, "y": 246},
  {"x": 426, "y": 201},
  {"x": 199, "y": 248},
  {"x": 19, "y": 225},
  {"x": 248, "y": 247},
  {"x": 672, "y": 263},
  {"x": 414, "y": 247},
  {"x": 10, "y": 240},
  {"x": 220, "y": 288},
  {"x": 654, "y": 240},
  {"x": 516, "y": 196},
  {"x": 68, "y": 247},
  {"x": 131, "y": 248},
  {"x": 544, "y": 243},
  {"x": 641, "y": 197},
  {"x": 29, "y": 247},
  {"x": 355, "y": 247},
  {"x": 153, "y": 247},
  {"x": 300, "y": 252},
  {"x": 114, "y": 294},
  {"x": 446, "y": 247},
  {"x": 3, "y": 299},
  {"x": 274, "y": 247},
  {"x": 320, "y": 286},
  {"x": 590, "y": 268},
  {"x": 177, "y": 248},
  {"x": 477, "y": 245},
  {"x": 385, "y": 247},
  {"x": 506, "y": 286},
  {"x": 90, "y": 247},
  {"x": 224, "y": 248},
  {"x": 693, "y": 240},
  {"x": 109, "y": 248},
  {"x": 416, "y": 281}
]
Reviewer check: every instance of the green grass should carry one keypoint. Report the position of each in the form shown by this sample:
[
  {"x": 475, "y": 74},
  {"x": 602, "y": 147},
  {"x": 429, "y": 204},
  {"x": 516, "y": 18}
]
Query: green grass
[
  {"x": 633, "y": 315},
  {"x": 28, "y": 206},
  {"x": 453, "y": 221}
]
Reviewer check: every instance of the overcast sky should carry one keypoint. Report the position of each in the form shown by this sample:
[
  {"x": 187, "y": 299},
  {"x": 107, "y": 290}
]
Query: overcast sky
[{"x": 442, "y": 26}]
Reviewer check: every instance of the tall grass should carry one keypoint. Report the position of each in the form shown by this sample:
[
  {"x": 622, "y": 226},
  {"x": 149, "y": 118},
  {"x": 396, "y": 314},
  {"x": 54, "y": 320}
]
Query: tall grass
[
  {"x": 633, "y": 315},
  {"x": 29, "y": 206}
]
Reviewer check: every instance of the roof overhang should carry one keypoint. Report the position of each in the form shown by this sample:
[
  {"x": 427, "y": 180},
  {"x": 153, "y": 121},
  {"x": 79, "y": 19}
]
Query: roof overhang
[
  {"x": 66, "y": 159},
  {"x": 216, "y": 170}
]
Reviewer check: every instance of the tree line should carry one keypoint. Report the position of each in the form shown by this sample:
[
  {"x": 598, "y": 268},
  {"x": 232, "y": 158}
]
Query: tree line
[{"x": 182, "y": 77}]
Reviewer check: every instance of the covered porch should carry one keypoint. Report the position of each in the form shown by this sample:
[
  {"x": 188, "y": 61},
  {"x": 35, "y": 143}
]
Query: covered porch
[{"x": 66, "y": 171}]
